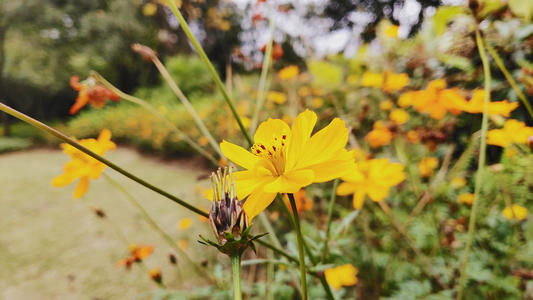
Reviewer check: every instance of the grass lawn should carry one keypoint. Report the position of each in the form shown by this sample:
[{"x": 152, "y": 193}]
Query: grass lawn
[{"x": 54, "y": 247}]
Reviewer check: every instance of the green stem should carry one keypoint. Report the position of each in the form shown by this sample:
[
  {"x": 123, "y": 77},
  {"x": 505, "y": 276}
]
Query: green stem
[
  {"x": 236, "y": 269},
  {"x": 156, "y": 113},
  {"x": 331, "y": 205},
  {"x": 148, "y": 219},
  {"x": 210, "y": 67},
  {"x": 87, "y": 151},
  {"x": 480, "y": 168},
  {"x": 263, "y": 79},
  {"x": 510, "y": 79},
  {"x": 301, "y": 254},
  {"x": 174, "y": 87}
]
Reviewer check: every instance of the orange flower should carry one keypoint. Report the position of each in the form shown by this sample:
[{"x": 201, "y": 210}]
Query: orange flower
[
  {"x": 466, "y": 198},
  {"x": 137, "y": 254},
  {"x": 399, "y": 116},
  {"x": 477, "y": 102},
  {"x": 427, "y": 166},
  {"x": 303, "y": 203},
  {"x": 395, "y": 81},
  {"x": 90, "y": 92},
  {"x": 413, "y": 137},
  {"x": 379, "y": 136}
]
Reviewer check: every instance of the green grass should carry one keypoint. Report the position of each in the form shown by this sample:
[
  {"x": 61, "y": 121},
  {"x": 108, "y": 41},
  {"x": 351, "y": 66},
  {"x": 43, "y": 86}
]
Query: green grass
[{"x": 54, "y": 247}]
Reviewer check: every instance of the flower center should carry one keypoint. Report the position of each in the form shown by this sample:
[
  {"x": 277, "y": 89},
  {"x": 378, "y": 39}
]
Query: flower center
[{"x": 273, "y": 151}]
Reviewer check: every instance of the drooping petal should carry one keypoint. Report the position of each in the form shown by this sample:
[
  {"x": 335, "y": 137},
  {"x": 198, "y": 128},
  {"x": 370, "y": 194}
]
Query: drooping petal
[
  {"x": 63, "y": 180},
  {"x": 358, "y": 199},
  {"x": 258, "y": 201},
  {"x": 300, "y": 134},
  {"x": 82, "y": 187},
  {"x": 238, "y": 155},
  {"x": 290, "y": 182}
]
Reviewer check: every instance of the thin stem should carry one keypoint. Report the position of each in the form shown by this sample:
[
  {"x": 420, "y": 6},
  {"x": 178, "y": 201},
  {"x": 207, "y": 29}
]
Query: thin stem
[
  {"x": 174, "y": 87},
  {"x": 301, "y": 254},
  {"x": 330, "y": 218},
  {"x": 156, "y": 113},
  {"x": 148, "y": 219},
  {"x": 263, "y": 78},
  {"x": 236, "y": 269},
  {"x": 510, "y": 79},
  {"x": 480, "y": 168},
  {"x": 87, "y": 151},
  {"x": 210, "y": 67}
]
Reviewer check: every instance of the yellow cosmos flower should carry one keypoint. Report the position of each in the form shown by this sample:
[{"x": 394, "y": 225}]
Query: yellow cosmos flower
[
  {"x": 277, "y": 97},
  {"x": 317, "y": 102},
  {"x": 82, "y": 166},
  {"x": 374, "y": 177},
  {"x": 413, "y": 137},
  {"x": 427, "y": 166},
  {"x": 372, "y": 79},
  {"x": 399, "y": 116},
  {"x": 379, "y": 136},
  {"x": 395, "y": 82},
  {"x": 466, "y": 198},
  {"x": 149, "y": 9},
  {"x": 513, "y": 131},
  {"x": 340, "y": 276},
  {"x": 284, "y": 159},
  {"x": 289, "y": 72},
  {"x": 515, "y": 212},
  {"x": 184, "y": 223}
]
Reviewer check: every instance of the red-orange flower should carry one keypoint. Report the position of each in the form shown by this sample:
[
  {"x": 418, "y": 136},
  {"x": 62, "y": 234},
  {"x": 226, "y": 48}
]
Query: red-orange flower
[
  {"x": 90, "y": 92},
  {"x": 137, "y": 254}
]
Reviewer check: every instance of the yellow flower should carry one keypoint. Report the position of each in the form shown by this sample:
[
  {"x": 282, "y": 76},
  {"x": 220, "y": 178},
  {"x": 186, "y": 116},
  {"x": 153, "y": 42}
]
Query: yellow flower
[
  {"x": 317, "y": 102},
  {"x": 513, "y": 131},
  {"x": 184, "y": 223},
  {"x": 149, "y": 9},
  {"x": 283, "y": 159},
  {"x": 372, "y": 79},
  {"x": 399, "y": 116},
  {"x": 476, "y": 104},
  {"x": 344, "y": 275},
  {"x": 82, "y": 166},
  {"x": 385, "y": 105},
  {"x": 379, "y": 136},
  {"x": 427, "y": 166},
  {"x": 352, "y": 79},
  {"x": 203, "y": 141},
  {"x": 392, "y": 31},
  {"x": 458, "y": 182},
  {"x": 466, "y": 198},
  {"x": 304, "y": 91},
  {"x": 515, "y": 212},
  {"x": 395, "y": 82},
  {"x": 374, "y": 177},
  {"x": 289, "y": 72},
  {"x": 276, "y": 97}
]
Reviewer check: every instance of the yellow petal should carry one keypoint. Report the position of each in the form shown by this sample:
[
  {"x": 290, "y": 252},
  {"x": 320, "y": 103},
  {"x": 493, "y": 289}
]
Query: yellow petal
[
  {"x": 238, "y": 155},
  {"x": 300, "y": 133},
  {"x": 377, "y": 192},
  {"x": 358, "y": 199},
  {"x": 63, "y": 180},
  {"x": 82, "y": 187},
  {"x": 332, "y": 169},
  {"x": 247, "y": 181},
  {"x": 270, "y": 129},
  {"x": 346, "y": 188},
  {"x": 290, "y": 182},
  {"x": 258, "y": 201},
  {"x": 325, "y": 143}
]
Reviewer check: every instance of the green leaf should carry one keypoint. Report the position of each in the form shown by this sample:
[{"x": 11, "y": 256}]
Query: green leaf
[{"x": 443, "y": 16}]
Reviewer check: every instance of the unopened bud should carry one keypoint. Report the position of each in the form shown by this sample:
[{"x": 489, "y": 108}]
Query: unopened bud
[{"x": 146, "y": 52}]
